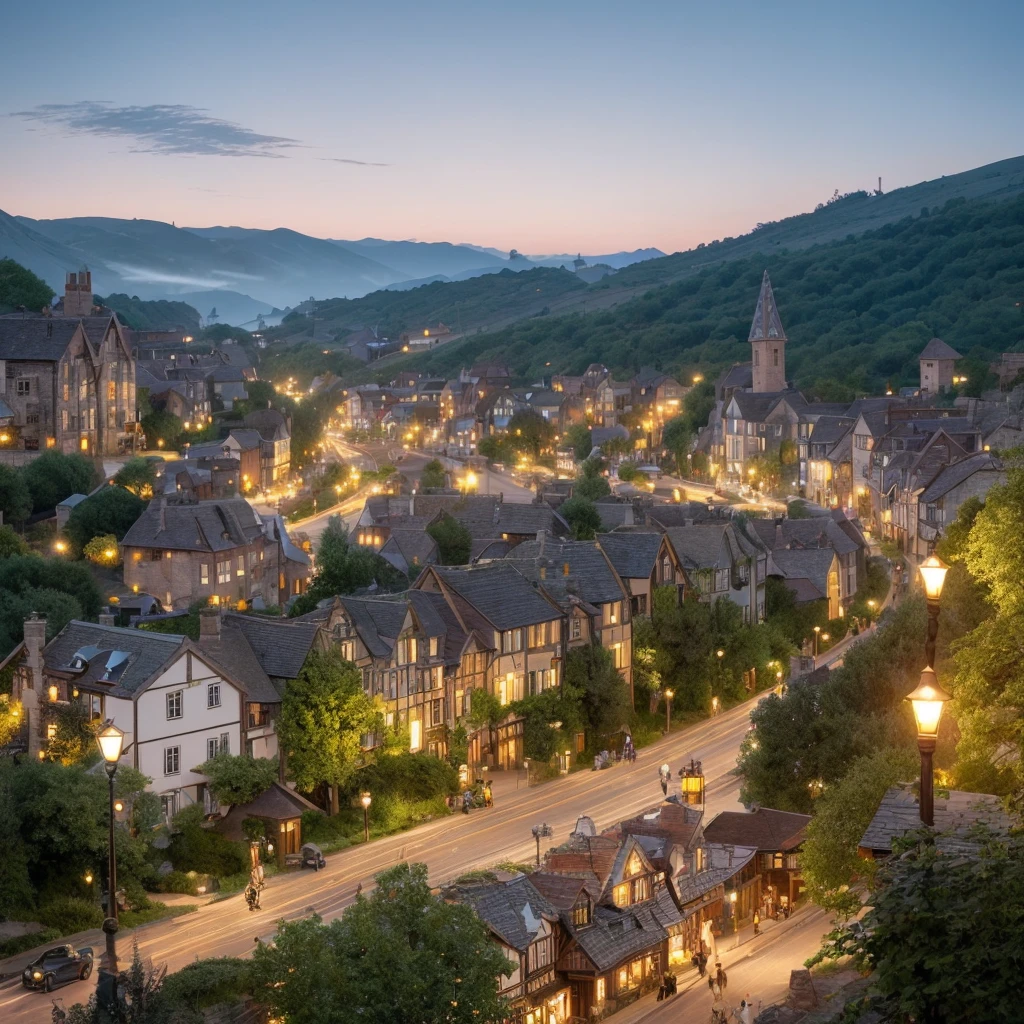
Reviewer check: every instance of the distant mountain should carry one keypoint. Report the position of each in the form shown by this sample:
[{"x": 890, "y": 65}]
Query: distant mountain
[
  {"x": 616, "y": 260},
  {"x": 426, "y": 259}
]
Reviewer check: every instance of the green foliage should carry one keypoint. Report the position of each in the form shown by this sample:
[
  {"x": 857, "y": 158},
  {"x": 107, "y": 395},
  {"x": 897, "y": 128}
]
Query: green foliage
[
  {"x": 11, "y": 543},
  {"x": 628, "y": 472},
  {"x": 678, "y": 437},
  {"x": 323, "y": 715},
  {"x": 453, "y": 540},
  {"x": 433, "y": 476},
  {"x": 17, "y": 892},
  {"x": 138, "y": 476},
  {"x": 103, "y": 550},
  {"x": 829, "y": 858},
  {"x": 415, "y": 776},
  {"x": 15, "y": 498},
  {"x": 53, "y": 476},
  {"x": 582, "y": 515},
  {"x": 207, "y": 983},
  {"x": 954, "y": 537},
  {"x": 112, "y": 510},
  {"x": 484, "y": 709},
  {"x": 935, "y": 938},
  {"x": 401, "y": 954},
  {"x": 237, "y": 778},
  {"x": 590, "y": 483},
  {"x": 161, "y": 425},
  {"x": 30, "y": 940},
  {"x": 577, "y": 437},
  {"x": 604, "y": 699},
  {"x": 71, "y": 914},
  {"x": 185, "y": 882},
  {"x": 529, "y": 432},
  {"x": 541, "y": 741},
  {"x": 195, "y": 848},
  {"x": 74, "y": 740},
  {"x": 20, "y": 287},
  {"x": 153, "y": 314}
]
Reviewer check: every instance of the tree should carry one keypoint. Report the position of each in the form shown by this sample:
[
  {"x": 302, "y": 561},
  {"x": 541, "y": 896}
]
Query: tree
[
  {"x": 582, "y": 515},
  {"x": 112, "y": 510},
  {"x": 677, "y": 437},
  {"x": 529, "y": 432},
  {"x": 238, "y": 779},
  {"x": 20, "y": 287},
  {"x": 74, "y": 737},
  {"x": 103, "y": 550},
  {"x": 831, "y": 865},
  {"x": 433, "y": 476},
  {"x": 11, "y": 543},
  {"x": 400, "y": 954},
  {"x": 604, "y": 697},
  {"x": 493, "y": 448},
  {"x": 53, "y": 476},
  {"x": 261, "y": 393},
  {"x": 577, "y": 437},
  {"x": 453, "y": 540},
  {"x": 16, "y": 606},
  {"x": 628, "y": 472},
  {"x": 162, "y": 426},
  {"x": 138, "y": 476},
  {"x": 323, "y": 716},
  {"x": 935, "y": 938},
  {"x": 15, "y": 498},
  {"x": 590, "y": 488}
]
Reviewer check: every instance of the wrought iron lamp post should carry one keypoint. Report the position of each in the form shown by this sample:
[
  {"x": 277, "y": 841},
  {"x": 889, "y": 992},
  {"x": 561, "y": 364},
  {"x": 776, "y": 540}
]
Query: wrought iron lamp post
[{"x": 110, "y": 740}]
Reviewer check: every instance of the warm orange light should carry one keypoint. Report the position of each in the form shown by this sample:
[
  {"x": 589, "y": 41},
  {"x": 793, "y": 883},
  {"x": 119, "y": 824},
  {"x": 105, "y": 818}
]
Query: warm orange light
[
  {"x": 933, "y": 571},
  {"x": 927, "y": 701}
]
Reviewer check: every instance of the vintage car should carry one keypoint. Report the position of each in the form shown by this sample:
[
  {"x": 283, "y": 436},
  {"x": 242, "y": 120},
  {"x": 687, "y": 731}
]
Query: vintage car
[{"x": 57, "y": 965}]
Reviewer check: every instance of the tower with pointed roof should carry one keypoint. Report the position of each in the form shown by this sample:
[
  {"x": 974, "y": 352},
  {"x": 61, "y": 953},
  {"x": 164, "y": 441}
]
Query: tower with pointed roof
[{"x": 768, "y": 343}]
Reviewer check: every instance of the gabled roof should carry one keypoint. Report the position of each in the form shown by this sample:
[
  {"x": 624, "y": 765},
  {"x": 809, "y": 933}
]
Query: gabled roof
[
  {"x": 499, "y": 592},
  {"x": 769, "y": 830},
  {"x": 591, "y": 575},
  {"x": 488, "y": 517},
  {"x": 817, "y": 532},
  {"x": 700, "y": 546},
  {"x": 956, "y": 473},
  {"x": 634, "y": 555},
  {"x": 767, "y": 324},
  {"x": 938, "y": 349},
  {"x": 280, "y": 645},
  {"x": 377, "y": 622},
  {"x": 207, "y": 526},
  {"x": 232, "y": 653},
  {"x": 416, "y": 547},
  {"x": 805, "y": 563},
  {"x": 512, "y": 909}
]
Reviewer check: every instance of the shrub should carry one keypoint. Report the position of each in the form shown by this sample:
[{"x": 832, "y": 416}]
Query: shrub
[
  {"x": 185, "y": 882},
  {"x": 413, "y": 776},
  {"x": 195, "y": 848},
  {"x": 254, "y": 829},
  {"x": 23, "y": 943},
  {"x": 207, "y": 982},
  {"x": 70, "y": 914}
]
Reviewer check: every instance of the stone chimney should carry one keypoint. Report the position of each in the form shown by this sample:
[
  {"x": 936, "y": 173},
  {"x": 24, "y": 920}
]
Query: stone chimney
[
  {"x": 35, "y": 641},
  {"x": 78, "y": 294},
  {"x": 209, "y": 624},
  {"x": 107, "y": 619}
]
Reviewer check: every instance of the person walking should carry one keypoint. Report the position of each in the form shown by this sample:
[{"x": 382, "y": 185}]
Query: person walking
[
  {"x": 467, "y": 801},
  {"x": 488, "y": 795},
  {"x": 721, "y": 978},
  {"x": 757, "y": 922},
  {"x": 665, "y": 773}
]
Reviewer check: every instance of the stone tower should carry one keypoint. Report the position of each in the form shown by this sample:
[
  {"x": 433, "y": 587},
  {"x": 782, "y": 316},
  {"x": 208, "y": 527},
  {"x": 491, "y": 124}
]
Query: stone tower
[
  {"x": 768, "y": 342},
  {"x": 78, "y": 294}
]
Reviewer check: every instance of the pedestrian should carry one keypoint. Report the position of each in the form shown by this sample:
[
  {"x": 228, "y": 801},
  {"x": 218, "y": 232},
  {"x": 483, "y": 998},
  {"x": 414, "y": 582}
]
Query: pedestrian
[
  {"x": 665, "y": 773},
  {"x": 721, "y": 977},
  {"x": 757, "y": 923},
  {"x": 359, "y": 889},
  {"x": 488, "y": 795},
  {"x": 747, "y": 1009},
  {"x": 663, "y": 987},
  {"x": 467, "y": 801},
  {"x": 703, "y": 965},
  {"x": 785, "y": 911}
]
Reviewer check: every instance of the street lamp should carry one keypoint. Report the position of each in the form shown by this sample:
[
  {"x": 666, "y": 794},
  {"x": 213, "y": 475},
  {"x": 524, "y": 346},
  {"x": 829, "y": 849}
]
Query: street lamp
[
  {"x": 541, "y": 831},
  {"x": 669, "y": 694},
  {"x": 110, "y": 739},
  {"x": 365, "y": 799},
  {"x": 927, "y": 701},
  {"x": 817, "y": 633},
  {"x": 933, "y": 571}
]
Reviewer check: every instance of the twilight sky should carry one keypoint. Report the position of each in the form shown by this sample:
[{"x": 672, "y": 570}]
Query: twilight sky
[{"x": 544, "y": 126}]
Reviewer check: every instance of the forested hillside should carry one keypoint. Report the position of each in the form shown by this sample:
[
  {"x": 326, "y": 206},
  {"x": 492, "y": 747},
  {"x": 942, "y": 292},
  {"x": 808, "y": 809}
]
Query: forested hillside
[
  {"x": 857, "y": 310},
  {"x": 153, "y": 314}
]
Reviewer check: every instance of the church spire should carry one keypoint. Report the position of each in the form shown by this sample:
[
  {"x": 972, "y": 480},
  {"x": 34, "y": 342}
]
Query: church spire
[{"x": 767, "y": 324}]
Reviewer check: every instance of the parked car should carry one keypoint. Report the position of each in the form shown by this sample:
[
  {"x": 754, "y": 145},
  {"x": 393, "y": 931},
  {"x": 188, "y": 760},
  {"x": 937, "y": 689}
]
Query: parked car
[{"x": 58, "y": 965}]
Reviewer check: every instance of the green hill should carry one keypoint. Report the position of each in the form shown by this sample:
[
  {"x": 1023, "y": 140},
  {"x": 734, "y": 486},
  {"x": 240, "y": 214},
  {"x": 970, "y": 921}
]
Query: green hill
[{"x": 153, "y": 314}]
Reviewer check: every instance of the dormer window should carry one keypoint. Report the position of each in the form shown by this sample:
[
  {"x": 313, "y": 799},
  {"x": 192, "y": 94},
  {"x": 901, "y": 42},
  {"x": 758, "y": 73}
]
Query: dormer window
[{"x": 581, "y": 914}]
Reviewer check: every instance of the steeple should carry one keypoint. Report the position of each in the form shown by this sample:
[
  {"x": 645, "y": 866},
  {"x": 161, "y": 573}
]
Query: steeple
[{"x": 768, "y": 342}]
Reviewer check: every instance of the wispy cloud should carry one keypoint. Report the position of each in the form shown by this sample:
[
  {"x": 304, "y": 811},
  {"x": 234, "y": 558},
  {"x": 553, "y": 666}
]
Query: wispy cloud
[
  {"x": 167, "y": 129},
  {"x": 358, "y": 163}
]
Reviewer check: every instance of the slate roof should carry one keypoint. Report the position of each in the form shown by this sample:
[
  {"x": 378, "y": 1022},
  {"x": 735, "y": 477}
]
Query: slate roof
[
  {"x": 958, "y": 472},
  {"x": 591, "y": 575},
  {"x": 147, "y": 652},
  {"x": 769, "y": 830},
  {"x": 700, "y": 545},
  {"x": 507, "y": 908},
  {"x": 615, "y": 513},
  {"x": 955, "y": 812},
  {"x": 492, "y": 517},
  {"x": 828, "y": 430},
  {"x": 755, "y": 406},
  {"x": 378, "y": 622},
  {"x": 281, "y": 645},
  {"x": 46, "y": 338},
  {"x": 279, "y": 803},
  {"x": 805, "y": 563},
  {"x": 233, "y": 654},
  {"x": 634, "y": 555},
  {"x": 416, "y": 547},
  {"x": 767, "y": 323},
  {"x": 741, "y": 375},
  {"x": 938, "y": 349},
  {"x": 722, "y": 861},
  {"x": 562, "y": 891},
  {"x": 615, "y": 936},
  {"x": 499, "y": 592},
  {"x": 803, "y": 590},
  {"x": 433, "y": 612},
  {"x": 247, "y": 438},
  {"x": 207, "y": 526},
  {"x": 820, "y": 531}
]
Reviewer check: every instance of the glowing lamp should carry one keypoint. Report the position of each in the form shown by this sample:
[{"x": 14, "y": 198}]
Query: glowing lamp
[
  {"x": 933, "y": 571},
  {"x": 365, "y": 799},
  {"x": 110, "y": 740},
  {"x": 927, "y": 701}
]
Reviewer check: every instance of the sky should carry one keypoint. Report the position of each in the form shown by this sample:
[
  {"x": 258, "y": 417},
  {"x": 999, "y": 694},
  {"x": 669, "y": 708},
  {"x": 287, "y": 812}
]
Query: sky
[{"x": 548, "y": 127}]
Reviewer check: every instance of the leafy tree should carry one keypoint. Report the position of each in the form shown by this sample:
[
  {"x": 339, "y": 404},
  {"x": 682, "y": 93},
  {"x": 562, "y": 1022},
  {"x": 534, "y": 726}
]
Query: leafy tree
[
  {"x": 103, "y": 550},
  {"x": 577, "y": 437},
  {"x": 17, "y": 893},
  {"x": 75, "y": 737},
  {"x": 400, "y": 954},
  {"x": 797, "y": 509},
  {"x": 11, "y": 543},
  {"x": 628, "y": 472},
  {"x": 53, "y": 476},
  {"x": 15, "y": 498},
  {"x": 935, "y": 938},
  {"x": 433, "y": 476},
  {"x": 529, "y": 432},
  {"x": 16, "y": 606},
  {"x": 112, "y": 510},
  {"x": 582, "y": 515},
  {"x": 164, "y": 426},
  {"x": 138, "y": 476},
  {"x": 590, "y": 488},
  {"x": 678, "y": 437},
  {"x": 20, "y": 287},
  {"x": 323, "y": 716},
  {"x": 11, "y": 719},
  {"x": 602, "y": 692},
  {"x": 831, "y": 865},
  {"x": 261, "y": 393},
  {"x": 955, "y": 536},
  {"x": 484, "y": 709},
  {"x": 238, "y": 779},
  {"x": 453, "y": 540},
  {"x": 22, "y": 573}
]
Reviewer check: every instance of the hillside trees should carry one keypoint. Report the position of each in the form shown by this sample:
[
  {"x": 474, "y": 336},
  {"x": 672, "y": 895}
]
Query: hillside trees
[
  {"x": 54, "y": 476},
  {"x": 20, "y": 287}
]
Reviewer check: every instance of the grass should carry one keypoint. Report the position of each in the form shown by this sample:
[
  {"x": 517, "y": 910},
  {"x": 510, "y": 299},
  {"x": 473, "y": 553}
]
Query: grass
[{"x": 155, "y": 912}]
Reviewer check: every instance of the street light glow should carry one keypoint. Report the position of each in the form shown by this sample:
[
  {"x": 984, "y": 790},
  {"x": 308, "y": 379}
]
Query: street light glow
[
  {"x": 933, "y": 571},
  {"x": 927, "y": 701},
  {"x": 110, "y": 739}
]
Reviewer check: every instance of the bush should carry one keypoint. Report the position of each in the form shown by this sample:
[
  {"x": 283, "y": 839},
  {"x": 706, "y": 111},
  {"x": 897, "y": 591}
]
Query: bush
[
  {"x": 70, "y": 914},
  {"x": 185, "y": 882},
  {"x": 413, "y": 776},
  {"x": 207, "y": 982},
  {"x": 23, "y": 943},
  {"x": 195, "y": 848}
]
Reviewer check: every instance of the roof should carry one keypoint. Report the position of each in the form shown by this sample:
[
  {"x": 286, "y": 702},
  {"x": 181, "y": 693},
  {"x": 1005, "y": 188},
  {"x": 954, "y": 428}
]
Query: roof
[
  {"x": 956, "y": 473},
  {"x": 769, "y": 830},
  {"x": 938, "y": 349},
  {"x": 512, "y": 909},
  {"x": 634, "y": 555},
  {"x": 415, "y": 546},
  {"x": 806, "y": 563},
  {"x": 234, "y": 655},
  {"x": 499, "y": 592},
  {"x": 591, "y": 575},
  {"x": 699, "y": 545},
  {"x": 147, "y": 653},
  {"x": 766, "y": 322},
  {"x": 803, "y": 590},
  {"x": 46, "y": 338},
  {"x": 279, "y": 803},
  {"x": 489, "y": 517},
  {"x": 955, "y": 813},
  {"x": 72, "y": 500},
  {"x": 615, "y": 513},
  {"x": 206, "y": 526},
  {"x": 617, "y": 935},
  {"x": 830, "y": 429},
  {"x": 378, "y": 622},
  {"x": 820, "y": 531},
  {"x": 281, "y": 645}
]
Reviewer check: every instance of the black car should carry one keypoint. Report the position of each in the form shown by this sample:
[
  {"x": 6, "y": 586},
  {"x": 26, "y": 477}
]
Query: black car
[{"x": 57, "y": 965}]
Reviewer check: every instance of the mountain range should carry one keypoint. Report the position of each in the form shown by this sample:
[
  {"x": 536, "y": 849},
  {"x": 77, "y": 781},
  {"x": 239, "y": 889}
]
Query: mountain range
[{"x": 243, "y": 272}]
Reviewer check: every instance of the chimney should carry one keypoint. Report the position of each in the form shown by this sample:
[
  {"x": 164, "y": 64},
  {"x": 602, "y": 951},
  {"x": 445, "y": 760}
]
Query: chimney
[
  {"x": 542, "y": 536},
  {"x": 209, "y": 624},
  {"x": 779, "y": 541},
  {"x": 78, "y": 293},
  {"x": 107, "y": 619},
  {"x": 35, "y": 641},
  {"x": 412, "y": 504}
]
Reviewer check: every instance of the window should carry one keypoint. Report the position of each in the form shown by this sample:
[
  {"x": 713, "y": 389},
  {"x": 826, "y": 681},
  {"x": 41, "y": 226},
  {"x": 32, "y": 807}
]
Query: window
[
  {"x": 599, "y": 990},
  {"x": 621, "y": 895},
  {"x": 155, "y": 555},
  {"x": 174, "y": 704},
  {"x": 617, "y": 657},
  {"x": 581, "y": 915},
  {"x": 111, "y": 390},
  {"x": 213, "y": 695},
  {"x": 23, "y": 386},
  {"x": 66, "y": 391},
  {"x": 778, "y": 430},
  {"x": 757, "y": 357},
  {"x": 204, "y": 575},
  {"x": 722, "y": 579},
  {"x": 433, "y": 646},
  {"x": 212, "y": 748},
  {"x": 612, "y": 612},
  {"x": 224, "y": 571},
  {"x": 172, "y": 760},
  {"x": 240, "y": 571},
  {"x": 577, "y": 628},
  {"x": 435, "y": 712},
  {"x": 541, "y": 953},
  {"x": 775, "y": 357}
]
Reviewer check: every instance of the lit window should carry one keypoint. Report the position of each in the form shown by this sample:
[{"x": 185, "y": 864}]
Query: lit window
[
  {"x": 241, "y": 566},
  {"x": 204, "y": 575}
]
